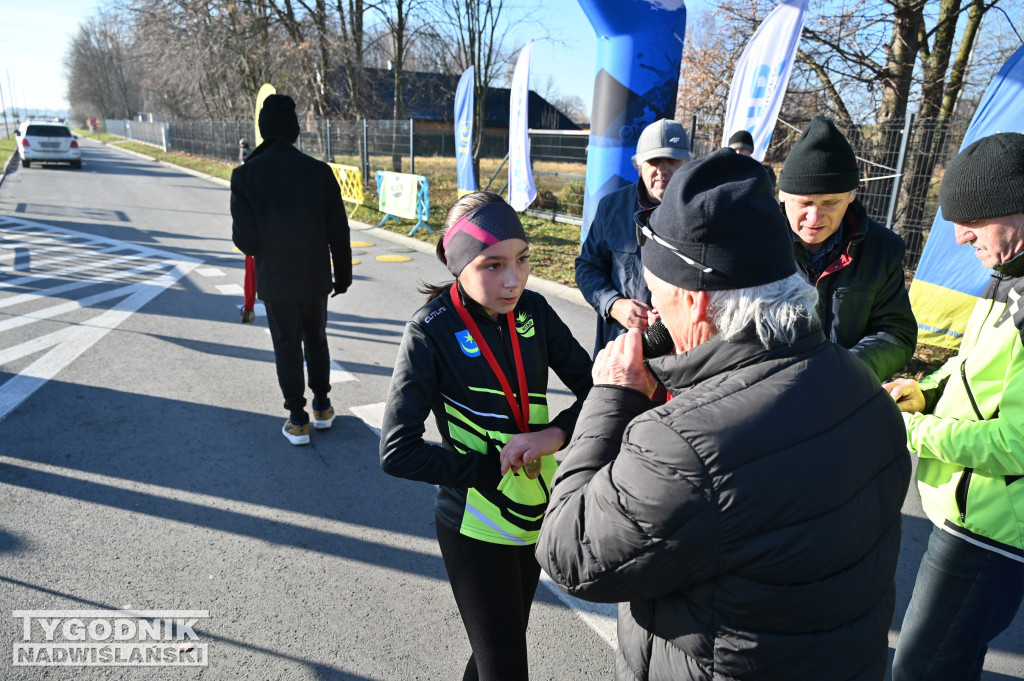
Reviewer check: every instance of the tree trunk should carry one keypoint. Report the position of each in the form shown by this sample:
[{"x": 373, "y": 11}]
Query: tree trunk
[{"x": 937, "y": 105}]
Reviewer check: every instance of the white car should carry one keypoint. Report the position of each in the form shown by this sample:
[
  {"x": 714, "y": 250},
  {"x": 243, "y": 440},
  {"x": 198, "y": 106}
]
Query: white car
[{"x": 47, "y": 141}]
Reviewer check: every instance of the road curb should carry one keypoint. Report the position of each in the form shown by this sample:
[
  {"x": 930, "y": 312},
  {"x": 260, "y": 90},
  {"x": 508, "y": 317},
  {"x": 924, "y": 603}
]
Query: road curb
[
  {"x": 188, "y": 171},
  {"x": 3, "y": 173},
  {"x": 545, "y": 286}
]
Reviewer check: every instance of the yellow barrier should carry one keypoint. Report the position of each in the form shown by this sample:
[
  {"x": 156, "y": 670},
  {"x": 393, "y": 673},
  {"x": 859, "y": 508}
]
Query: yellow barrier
[{"x": 350, "y": 179}]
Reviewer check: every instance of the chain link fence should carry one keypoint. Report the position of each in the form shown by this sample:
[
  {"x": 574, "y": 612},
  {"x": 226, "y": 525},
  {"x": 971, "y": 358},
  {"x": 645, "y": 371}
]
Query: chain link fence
[
  {"x": 901, "y": 162},
  {"x": 901, "y": 165}
]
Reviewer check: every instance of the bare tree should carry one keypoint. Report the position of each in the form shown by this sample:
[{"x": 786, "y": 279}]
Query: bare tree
[
  {"x": 571, "y": 106},
  {"x": 709, "y": 53},
  {"x": 351, "y": 46},
  {"x": 205, "y": 58},
  {"x": 311, "y": 42},
  {"x": 477, "y": 30},
  {"x": 942, "y": 83},
  {"x": 99, "y": 62}
]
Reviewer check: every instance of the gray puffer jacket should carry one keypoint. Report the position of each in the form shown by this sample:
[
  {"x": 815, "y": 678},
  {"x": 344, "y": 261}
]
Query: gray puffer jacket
[{"x": 750, "y": 527}]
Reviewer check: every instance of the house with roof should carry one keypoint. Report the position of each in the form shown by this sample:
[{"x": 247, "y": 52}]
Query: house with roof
[{"x": 430, "y": 102}]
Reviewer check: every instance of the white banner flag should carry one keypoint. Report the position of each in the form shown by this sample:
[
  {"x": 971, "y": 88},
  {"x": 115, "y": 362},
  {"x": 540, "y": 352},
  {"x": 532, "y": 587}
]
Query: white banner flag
[
  {"x": 762, "y": 74},
  {"x": 521, "y": 190}
]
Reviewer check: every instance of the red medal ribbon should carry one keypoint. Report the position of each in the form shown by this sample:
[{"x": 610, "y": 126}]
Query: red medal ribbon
[{"x": 521, "y": 414}]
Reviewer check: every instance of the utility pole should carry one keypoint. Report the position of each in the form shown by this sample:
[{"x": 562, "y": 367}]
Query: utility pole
[
  {"x": 10, "y": 91},
  {"x": 7, "y": 133}
]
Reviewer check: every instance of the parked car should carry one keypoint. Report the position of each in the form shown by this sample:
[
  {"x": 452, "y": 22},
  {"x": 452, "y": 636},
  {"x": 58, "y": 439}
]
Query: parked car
[{"x": 46, "y": 142}]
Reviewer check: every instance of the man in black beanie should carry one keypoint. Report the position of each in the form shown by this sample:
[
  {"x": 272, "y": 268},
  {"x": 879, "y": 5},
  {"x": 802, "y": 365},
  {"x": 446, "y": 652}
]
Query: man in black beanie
[
  {"x": 854, "y": 262},
  {"x": 750, "y": 526},
  {"x": 287, "y": 212},
  {"x": 966, "y": 424},
  {"x": 742, "y": 142}
]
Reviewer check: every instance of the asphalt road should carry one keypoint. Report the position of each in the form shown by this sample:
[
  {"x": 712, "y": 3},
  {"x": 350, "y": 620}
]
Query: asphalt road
[{"x": 142, "y": 466}]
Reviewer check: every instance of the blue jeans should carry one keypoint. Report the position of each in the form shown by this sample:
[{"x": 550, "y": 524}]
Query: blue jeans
[{"x": 963, "y": 598}]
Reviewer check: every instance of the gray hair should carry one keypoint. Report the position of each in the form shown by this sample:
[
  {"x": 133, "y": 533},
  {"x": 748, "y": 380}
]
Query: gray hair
[{"x": 776, "y": 310}]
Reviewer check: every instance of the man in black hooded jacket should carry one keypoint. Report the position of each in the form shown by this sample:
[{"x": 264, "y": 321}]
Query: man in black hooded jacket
[
  {"x": 750, "y": 527},
  {"x": 287, "y": 212}
]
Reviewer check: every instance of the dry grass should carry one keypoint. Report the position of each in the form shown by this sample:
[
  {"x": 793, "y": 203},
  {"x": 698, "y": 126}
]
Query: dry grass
[
  {"x": 8, "y": 147},
  {"x": 926, "y": 360}
]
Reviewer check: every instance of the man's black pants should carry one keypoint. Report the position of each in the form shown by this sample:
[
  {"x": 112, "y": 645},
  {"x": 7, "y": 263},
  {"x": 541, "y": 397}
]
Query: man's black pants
[{"x": 299, "y": 331}]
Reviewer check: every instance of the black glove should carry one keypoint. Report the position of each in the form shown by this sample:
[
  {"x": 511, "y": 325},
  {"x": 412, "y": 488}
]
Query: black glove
[{"x": 339, "y": 289}]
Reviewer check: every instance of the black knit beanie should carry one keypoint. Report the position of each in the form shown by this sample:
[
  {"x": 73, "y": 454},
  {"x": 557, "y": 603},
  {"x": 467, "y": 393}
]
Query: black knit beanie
[
  {"x": 742, "y": 139},
  {"x": 821, "y": 162},
  {"x": 721, "y": 212},
  {"x": 277, "y": 118},
  {"x": 985, "y": 180}
]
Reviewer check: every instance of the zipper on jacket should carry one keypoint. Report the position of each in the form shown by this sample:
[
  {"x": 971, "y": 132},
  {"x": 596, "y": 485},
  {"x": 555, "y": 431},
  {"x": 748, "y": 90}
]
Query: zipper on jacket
[
  {"x": 963, "y": 486},
  {"x": 967, "y": 387},
  {"x": 961, "y": 492}
]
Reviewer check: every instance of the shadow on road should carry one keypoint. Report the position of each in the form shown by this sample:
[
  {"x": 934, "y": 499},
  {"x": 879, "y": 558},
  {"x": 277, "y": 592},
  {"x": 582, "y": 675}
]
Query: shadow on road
[{"x": 323, "y": 672}]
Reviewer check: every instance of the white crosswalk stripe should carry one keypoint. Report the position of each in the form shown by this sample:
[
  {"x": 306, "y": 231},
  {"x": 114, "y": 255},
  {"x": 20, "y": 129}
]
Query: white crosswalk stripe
[
  {"x": 231, "y": 289},
  {"x": 130, "y": 274}
]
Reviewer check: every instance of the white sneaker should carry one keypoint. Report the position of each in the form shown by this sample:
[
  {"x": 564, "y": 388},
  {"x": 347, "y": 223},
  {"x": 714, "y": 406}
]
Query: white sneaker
[
  {"x": 297, "y": 435},
  {"x": 322, "y": 420}
]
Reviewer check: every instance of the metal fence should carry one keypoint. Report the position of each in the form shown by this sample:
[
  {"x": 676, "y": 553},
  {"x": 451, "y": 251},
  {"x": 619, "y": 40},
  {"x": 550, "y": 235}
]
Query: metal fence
[
  {"x": 901, "y": 162},
  {"x": 901, "y": 166}
]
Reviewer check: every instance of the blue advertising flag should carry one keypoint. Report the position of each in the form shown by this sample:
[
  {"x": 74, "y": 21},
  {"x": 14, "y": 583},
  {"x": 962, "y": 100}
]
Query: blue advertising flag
[
  {"x": 762, "y": 74},
  {"x": 950, "y": 277},
  {"x": 464, "y": 133}
]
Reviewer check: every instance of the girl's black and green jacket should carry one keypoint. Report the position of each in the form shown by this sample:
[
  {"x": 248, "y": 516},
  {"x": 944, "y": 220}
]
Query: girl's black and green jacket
[{"x": 440, "y": 369}]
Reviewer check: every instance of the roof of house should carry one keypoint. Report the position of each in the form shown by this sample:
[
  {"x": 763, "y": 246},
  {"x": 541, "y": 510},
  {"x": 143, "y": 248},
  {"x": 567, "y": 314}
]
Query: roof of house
[{"x": 431, "y": 97}]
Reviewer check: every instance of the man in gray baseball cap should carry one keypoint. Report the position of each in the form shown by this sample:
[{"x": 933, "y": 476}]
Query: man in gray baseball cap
[{"x": 608, "y": 269}]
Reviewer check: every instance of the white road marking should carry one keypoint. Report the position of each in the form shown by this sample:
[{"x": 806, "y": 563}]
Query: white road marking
[
  {"x": 209, "y": 272},
  {"x": 371, "y": 414},
  {"x": 231, "y": 289},
  {"x": 55, "y": 310},
  {"x": 91, "y": 265},
  {"x": 601, "y": 617},
  {"x": 69, "y": 343},
  {"x": 64, "y": 288},
  {"x": 340, "y": 375},
  {"x": 66, "y": 344}
]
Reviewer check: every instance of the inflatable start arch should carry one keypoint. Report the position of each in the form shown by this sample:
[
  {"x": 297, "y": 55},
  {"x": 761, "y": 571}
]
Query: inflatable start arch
[{"x": 639, "y": 49}]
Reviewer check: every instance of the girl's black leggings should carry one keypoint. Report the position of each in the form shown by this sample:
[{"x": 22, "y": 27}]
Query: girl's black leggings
[{"x": 493, "y": 586}]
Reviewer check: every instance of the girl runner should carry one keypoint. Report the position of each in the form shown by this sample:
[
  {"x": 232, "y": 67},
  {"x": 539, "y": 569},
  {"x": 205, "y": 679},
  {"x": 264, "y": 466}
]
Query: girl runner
[{"x": 477, "y": 357}]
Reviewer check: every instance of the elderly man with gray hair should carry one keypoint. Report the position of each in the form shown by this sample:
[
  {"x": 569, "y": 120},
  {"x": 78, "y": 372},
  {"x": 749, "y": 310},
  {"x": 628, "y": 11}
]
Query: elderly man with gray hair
[
  {"x": 750, "y": 527},
  {"x": 965, "y": 422}
]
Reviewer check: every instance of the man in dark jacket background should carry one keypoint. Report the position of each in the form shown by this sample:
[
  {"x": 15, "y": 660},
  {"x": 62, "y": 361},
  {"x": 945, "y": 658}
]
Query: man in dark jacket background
[
  {"x": 750, "y": 527},
  {"x": 855, "y": 263},
  {"x": 287, "y": 212},
  {"x": 608, "y": 269}
]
